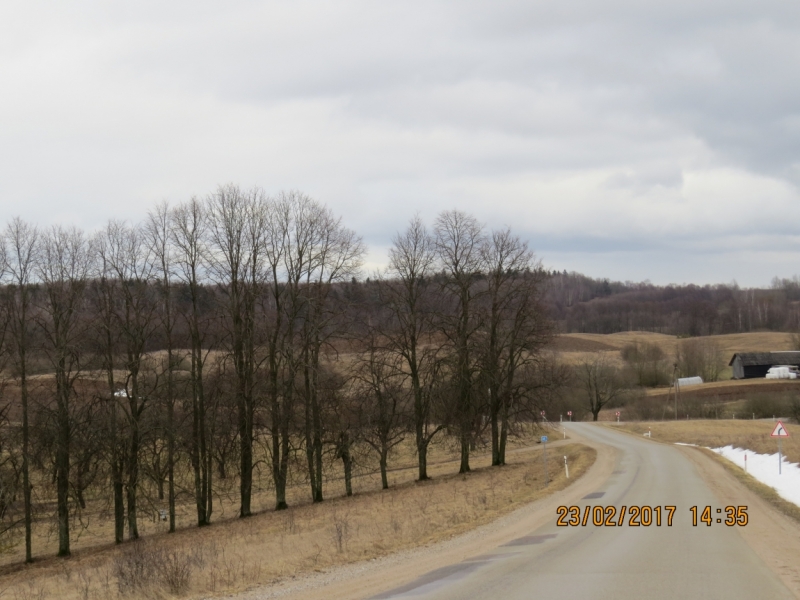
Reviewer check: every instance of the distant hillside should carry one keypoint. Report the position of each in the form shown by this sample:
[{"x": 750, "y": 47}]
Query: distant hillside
[{"x": 581, "y": 304}]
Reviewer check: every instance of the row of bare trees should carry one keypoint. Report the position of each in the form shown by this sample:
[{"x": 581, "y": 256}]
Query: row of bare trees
[{"x": 149, "y": 364}]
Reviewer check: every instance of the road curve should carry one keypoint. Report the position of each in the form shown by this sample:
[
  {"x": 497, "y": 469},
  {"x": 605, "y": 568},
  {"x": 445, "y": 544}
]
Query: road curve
[{"x": 591, "y": 562}]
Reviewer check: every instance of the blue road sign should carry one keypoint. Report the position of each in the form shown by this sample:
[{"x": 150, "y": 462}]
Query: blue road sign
[{"x": 544, "y": 439}]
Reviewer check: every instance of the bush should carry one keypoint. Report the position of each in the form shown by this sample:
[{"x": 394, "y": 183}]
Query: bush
[
  {"x": 645, "y": 409},
  {"x": 765, "y": 405},
  {"x": 142, "y": 567},
  {"x": 700, "y": 357},
  {"x": 648, "y": 364}
]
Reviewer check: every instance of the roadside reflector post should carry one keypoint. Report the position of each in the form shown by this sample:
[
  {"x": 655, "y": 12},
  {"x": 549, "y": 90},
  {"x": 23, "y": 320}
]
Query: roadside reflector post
[
  {"x": 564, "y": 429},
  {"x": 779, "y": 431},
  {"x": 566, "y": 467},
  {"x": 546, "y": 477}
]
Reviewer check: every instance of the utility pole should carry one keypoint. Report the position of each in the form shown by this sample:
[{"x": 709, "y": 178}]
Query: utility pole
[{"x": 677, "y": 387}]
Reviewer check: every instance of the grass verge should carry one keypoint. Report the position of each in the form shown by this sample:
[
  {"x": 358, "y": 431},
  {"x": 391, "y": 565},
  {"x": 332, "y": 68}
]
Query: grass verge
[{"x": 270, "y": 547}]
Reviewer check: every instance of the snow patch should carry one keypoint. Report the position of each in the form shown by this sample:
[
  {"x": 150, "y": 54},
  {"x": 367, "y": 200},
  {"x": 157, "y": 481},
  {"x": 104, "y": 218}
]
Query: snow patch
[{"x": 764, "y": 467}]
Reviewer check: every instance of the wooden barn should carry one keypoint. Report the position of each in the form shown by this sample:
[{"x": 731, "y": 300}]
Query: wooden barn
[{"x": 749, "y": 365}]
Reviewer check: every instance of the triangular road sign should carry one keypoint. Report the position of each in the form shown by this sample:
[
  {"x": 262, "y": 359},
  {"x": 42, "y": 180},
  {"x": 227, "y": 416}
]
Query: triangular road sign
[{"x": 779, "y": 431}]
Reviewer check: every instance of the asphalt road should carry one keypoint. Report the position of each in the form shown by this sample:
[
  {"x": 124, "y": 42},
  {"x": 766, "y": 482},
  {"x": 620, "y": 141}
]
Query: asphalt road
[{"x": 588, "y": 562}]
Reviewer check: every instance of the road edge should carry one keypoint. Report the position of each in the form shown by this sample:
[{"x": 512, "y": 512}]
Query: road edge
[{"x": 367, "y": 578}]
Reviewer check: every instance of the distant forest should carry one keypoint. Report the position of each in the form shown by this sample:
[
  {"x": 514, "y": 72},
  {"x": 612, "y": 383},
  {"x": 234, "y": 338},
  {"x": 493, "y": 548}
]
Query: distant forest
[{"x": 581, "y": 304}]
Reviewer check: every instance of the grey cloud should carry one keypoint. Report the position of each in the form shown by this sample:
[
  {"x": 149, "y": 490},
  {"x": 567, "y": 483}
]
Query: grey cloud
[{"x": 617, "y": 128}]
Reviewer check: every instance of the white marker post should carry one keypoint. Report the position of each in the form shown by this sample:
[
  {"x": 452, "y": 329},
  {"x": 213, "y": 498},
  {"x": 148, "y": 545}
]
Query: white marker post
[
  {"x": 566, "y": 467},
  {"x": 779, "y": 431},
  {"x": 546, "y": 478},
  {"x": 617, "y": 416}
]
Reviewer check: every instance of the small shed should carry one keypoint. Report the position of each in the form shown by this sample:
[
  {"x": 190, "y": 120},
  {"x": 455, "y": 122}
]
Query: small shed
[{"x": 749, "y": 365}]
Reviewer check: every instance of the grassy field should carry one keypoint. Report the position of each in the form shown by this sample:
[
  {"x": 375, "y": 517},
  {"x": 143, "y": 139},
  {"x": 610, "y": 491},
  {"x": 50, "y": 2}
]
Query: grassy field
[
  {"x": 578, "y": 347},
  {"x": 270, "y": 546},
  {"x": 752, "y": 435}
]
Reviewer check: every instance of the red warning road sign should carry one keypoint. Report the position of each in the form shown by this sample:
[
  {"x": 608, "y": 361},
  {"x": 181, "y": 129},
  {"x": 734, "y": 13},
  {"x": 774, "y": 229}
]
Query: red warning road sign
[{"x": 779, "y": 431}]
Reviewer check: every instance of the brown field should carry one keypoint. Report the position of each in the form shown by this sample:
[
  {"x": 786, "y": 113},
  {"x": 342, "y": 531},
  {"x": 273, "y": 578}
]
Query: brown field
[
  {"x": 731, "y": 389},
  {"x": 577, "y": 347},
  {"x": 753, "y": 435},
  {"x": 271, "y": 546},
  {"x": 760, "y": 341}
]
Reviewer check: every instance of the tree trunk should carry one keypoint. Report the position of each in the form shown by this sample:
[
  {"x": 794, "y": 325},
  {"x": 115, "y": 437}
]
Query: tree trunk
[
  {"x": 384, "y": 477},
  {"x": 464, "y": 467},
  {"x": 422, "y": 454},
  {"x": 347, "y": 461},
  {"x": 133, "y": 482},
  {"x": 62, "y": 462},
  {"x": 497, "y": 455},
  {"x": 26, "y": 485}
]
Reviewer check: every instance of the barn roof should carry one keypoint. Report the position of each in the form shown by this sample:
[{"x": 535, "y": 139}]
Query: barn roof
[{"x": 749, "y": 359}]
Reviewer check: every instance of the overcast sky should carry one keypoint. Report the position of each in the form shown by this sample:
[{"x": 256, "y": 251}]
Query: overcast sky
[{"x": 624, "y": 139}]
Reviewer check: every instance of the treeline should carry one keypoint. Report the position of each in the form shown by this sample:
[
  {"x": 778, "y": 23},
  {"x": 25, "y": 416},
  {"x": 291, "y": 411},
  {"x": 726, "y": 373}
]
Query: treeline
[
  {"x": 150, "y": 363},
  {"x": 581, "y": 304}
]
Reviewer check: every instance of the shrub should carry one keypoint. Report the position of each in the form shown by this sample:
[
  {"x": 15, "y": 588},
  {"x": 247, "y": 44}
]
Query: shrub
[
  {"x": 648, "y": 363},
  {"x": 143, "y": 567}
]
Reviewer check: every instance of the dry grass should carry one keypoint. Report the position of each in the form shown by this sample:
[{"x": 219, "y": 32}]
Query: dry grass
[
  {"x": 732, "y": 389},
  {"x": 753, "y": 435},
  {"x": 761, "y": 341},
  {"x": 272, "y": 546},
  {"x": 93, "y": 528},
  {"x": 578, "y": 347}
]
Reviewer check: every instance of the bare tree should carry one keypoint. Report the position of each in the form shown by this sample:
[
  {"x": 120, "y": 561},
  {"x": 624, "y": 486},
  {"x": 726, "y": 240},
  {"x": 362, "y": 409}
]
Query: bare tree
[
  {"x": 104, "y": 296},
  {"x": 159, "y": 236},
  {"x": 130, "y": 262},
  {"x": 335, "y": 255},
  {"x": 407, "y": 296},
  {"x": 601, "y": 382},
  {"x": 19, "y": 257},
  {"x": 237, "y": 234},
  {"x": 459, "y": 241},
  {"x": 63, "y": 266},
  {"x": 699, "y": 356},
  {"x": 189, "y": 227},
  {"x": 382, "y": 402},
  {"x": 280, "y": 312},
  {"x": 515, "y": 327}
]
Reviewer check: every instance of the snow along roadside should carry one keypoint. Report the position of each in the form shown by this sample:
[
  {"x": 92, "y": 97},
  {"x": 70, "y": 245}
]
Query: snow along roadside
[{"x": 764, "y": 467}]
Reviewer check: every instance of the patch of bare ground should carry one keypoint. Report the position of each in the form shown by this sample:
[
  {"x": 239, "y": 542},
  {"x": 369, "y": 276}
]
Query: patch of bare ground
[{"x": 277, "y": 546}]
